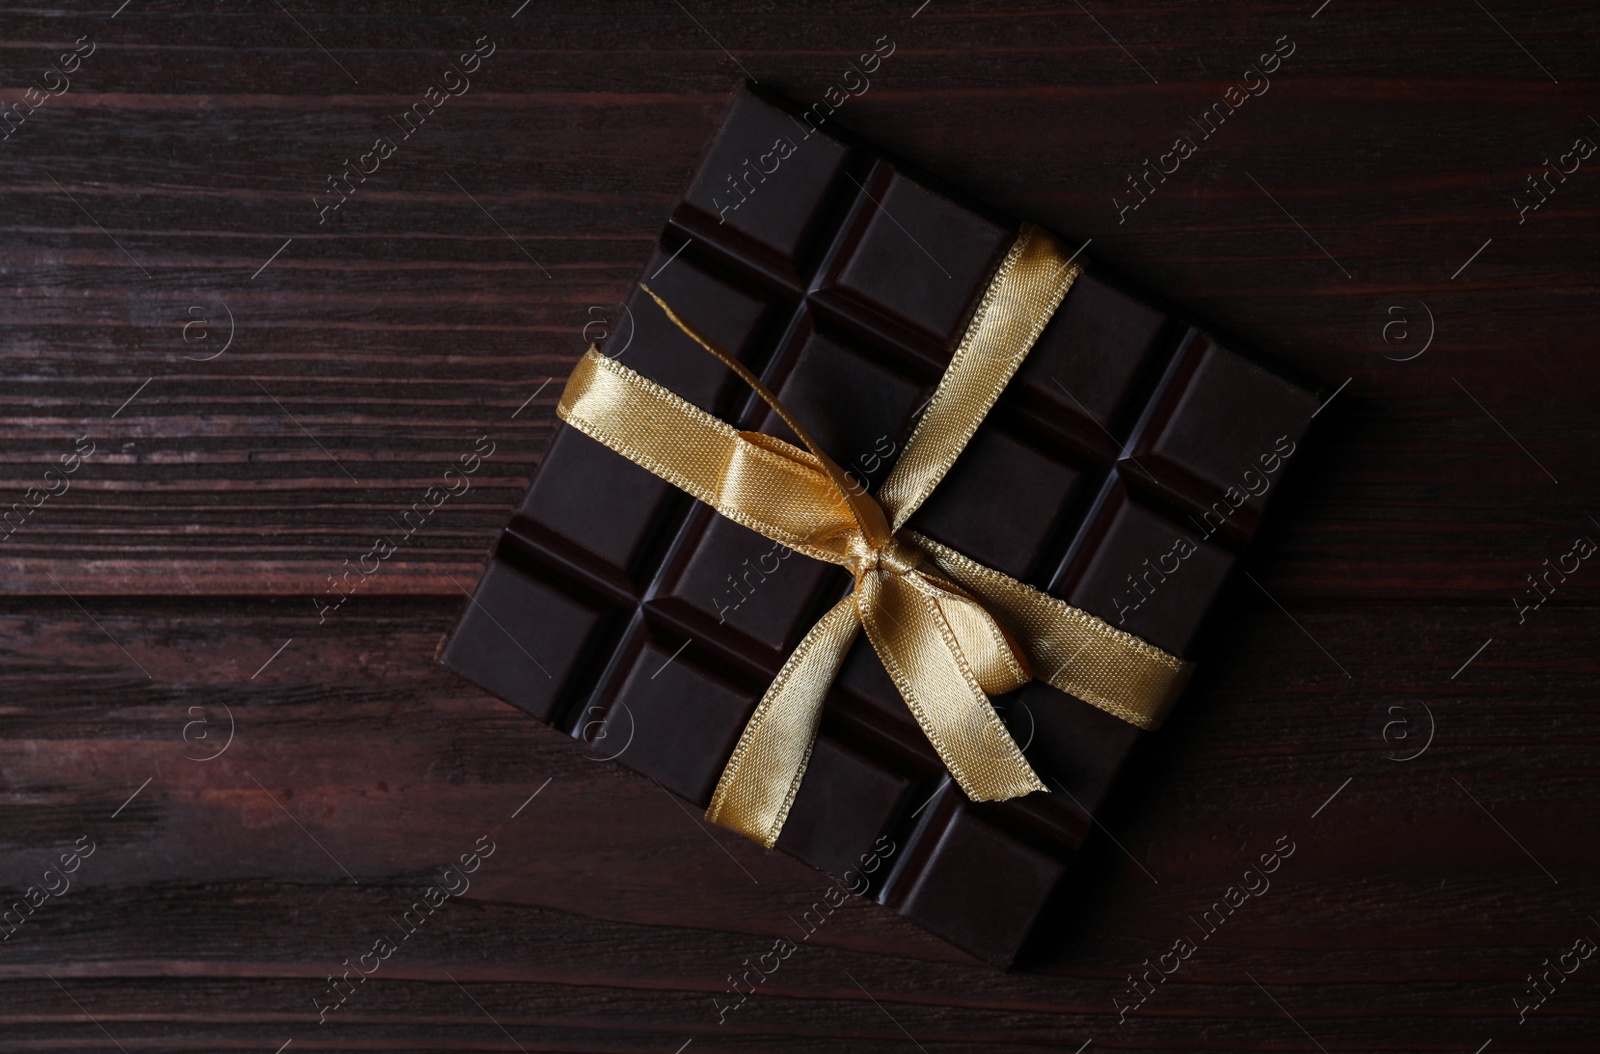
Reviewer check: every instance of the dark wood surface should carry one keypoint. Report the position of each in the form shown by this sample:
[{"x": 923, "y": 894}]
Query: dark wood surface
[{"x": 146, "y": 608}]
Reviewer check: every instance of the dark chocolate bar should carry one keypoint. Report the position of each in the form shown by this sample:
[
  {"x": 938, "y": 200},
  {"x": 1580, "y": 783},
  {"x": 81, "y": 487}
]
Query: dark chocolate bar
[{"x": 1123, "y": 470}]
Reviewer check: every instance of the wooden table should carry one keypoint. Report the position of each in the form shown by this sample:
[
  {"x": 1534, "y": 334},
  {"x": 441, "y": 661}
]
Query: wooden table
[{"x": 261, "y": 386}]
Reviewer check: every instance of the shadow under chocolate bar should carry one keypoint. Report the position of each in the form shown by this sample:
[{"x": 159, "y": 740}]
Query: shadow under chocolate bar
[{"x": 1124, "y": 470}]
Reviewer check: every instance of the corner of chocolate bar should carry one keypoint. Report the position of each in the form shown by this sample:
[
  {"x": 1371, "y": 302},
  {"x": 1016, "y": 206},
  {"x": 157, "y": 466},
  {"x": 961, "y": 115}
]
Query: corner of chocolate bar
[
  {"x": 523, "y": 639},
  {"x": 975, "y": 884},
  {"x": 765, "y": 184}
]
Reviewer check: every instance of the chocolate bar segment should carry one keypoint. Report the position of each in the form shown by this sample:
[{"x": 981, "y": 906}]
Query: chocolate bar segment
[
  {"x": 765, "y": 183},
  {"x": 1222, "y": 431},
  {"x": 847, "y": 805},
  {"x": 523, "y": 638},
  {"x": 973, "y": 883},
  {"x": 1123, "y": 470},
  {"x": 596, "y": 499},
  {"x": 1143, "y": 572},
  {"x": 648, "y": 342},
  {"x": 1088, "y": 364},
  {"x": 911, "y": 260},
  {"x": 678, "y": 719},
  {"x": 1002, "y": 502},
  {"x": 856, "y": 404},
  {"x": 735, "y": 582}
]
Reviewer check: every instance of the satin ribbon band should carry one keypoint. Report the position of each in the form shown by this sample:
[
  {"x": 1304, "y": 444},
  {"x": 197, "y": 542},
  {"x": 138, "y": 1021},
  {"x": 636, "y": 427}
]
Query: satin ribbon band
[
  {"x": 756, "y": 480},
  {"x": 950, "y": 631}
]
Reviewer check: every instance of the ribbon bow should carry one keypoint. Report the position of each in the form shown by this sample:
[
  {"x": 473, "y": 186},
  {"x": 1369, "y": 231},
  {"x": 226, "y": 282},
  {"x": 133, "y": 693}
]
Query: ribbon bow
[{"x": 950, "y": 631}]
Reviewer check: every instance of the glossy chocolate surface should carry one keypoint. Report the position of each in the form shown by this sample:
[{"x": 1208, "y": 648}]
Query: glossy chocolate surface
[{"x": 1123, "y": 470}]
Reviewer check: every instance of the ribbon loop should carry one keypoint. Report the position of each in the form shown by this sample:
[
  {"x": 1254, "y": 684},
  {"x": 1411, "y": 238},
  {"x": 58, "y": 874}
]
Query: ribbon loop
[{"x": 998, "y": 665}]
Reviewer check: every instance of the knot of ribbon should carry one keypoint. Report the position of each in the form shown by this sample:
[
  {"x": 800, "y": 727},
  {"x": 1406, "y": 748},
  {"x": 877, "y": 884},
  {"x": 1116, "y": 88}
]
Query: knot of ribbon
[{"x": 950, "y": 632}]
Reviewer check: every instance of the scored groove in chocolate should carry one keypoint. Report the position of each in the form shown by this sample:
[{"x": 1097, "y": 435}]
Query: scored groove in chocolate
[{"x": 1123, "y": 470}]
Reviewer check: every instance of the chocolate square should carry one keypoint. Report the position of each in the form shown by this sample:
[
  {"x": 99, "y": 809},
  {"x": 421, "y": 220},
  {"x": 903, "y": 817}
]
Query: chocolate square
[
  {"x": 916, "y": 258},
  {"x": 650, "y": 344},
  {"x": 595, "y": 499},
  {"x": 525, "y": 661},
  {"x": 680, "y": 720},
  {"x": 765, "y": 182},
  {"x": 853, "y": 403},
  {"x": 1091, "y": 356},
  {"x": 1124, "y": 470},
  {"x": 1000, "y": 502},
  {"x": 748, "y": 585},
  {"x": 976, "y": 885},
  {"x": 1143, "y": 572},
  {"x": 846, "y": 803}
]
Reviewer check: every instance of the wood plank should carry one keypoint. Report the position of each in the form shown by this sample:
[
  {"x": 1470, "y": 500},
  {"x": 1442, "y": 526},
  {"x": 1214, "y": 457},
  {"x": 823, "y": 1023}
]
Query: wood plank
[
  {"x": 410, "y": 321},
  {"x": 604, "y": 920}
]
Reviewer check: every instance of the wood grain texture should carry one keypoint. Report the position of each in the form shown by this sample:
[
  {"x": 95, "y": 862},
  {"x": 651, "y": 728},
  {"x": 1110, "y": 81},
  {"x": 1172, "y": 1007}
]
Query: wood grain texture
[{"x": 147, "y": 607}]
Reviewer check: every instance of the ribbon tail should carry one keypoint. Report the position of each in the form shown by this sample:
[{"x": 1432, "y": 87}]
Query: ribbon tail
[
  {"x": 759, "y": 782},
  {"x": 904, "y": 618}
]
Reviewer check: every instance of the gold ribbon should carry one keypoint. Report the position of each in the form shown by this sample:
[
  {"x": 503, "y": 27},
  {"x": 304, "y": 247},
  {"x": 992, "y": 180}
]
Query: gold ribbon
[{"x": 950, "y": 631}]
